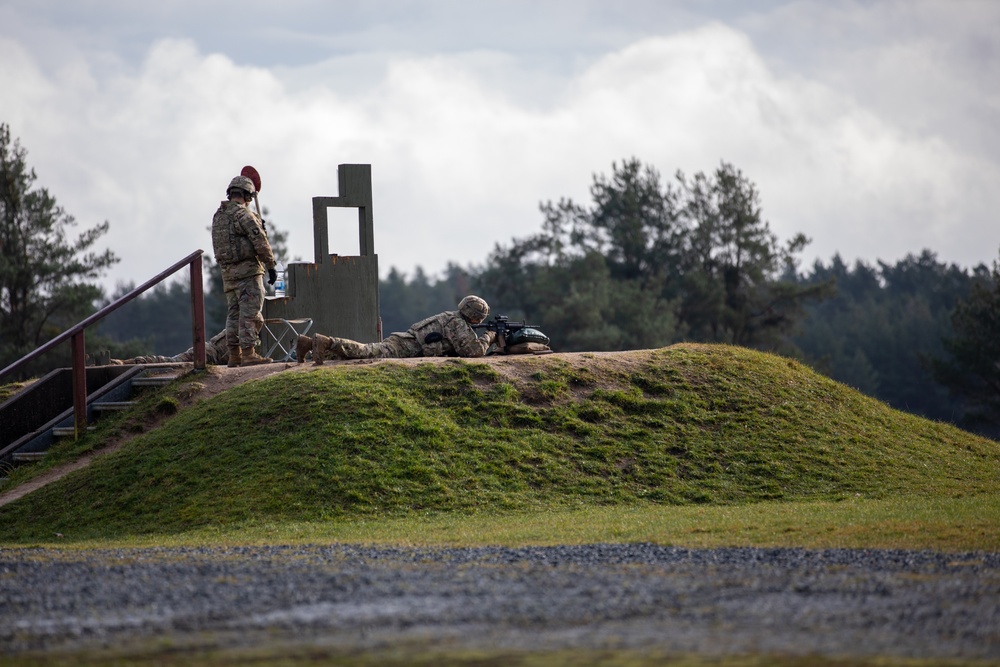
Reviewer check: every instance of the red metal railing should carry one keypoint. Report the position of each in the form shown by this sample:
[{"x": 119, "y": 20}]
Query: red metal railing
[{"x": 77, "y": 342}]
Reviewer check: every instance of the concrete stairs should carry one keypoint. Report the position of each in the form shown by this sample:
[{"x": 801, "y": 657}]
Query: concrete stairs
[{"x": 41, "y": 414}]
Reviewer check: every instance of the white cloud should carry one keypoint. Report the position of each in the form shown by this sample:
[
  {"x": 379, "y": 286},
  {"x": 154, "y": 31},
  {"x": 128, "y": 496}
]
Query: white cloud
[{"x": 460, "y": 158}]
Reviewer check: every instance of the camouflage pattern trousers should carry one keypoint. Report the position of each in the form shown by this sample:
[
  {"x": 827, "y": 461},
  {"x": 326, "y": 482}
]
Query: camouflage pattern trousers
[
  {"x": 216, "y": 353},
  {"x": 245, "y": 299},
  {"x": 396, "y": 346}
]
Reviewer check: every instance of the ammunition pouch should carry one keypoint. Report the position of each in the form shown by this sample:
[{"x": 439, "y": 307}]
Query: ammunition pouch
[{"x": 430, "y": 335}]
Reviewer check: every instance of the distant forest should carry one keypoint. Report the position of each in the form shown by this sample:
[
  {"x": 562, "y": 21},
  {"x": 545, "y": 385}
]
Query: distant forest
[{"x": 649, "y": 262}]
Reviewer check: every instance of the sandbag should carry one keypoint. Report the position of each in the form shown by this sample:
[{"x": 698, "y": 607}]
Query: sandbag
[{"x": 527, "y": 335}]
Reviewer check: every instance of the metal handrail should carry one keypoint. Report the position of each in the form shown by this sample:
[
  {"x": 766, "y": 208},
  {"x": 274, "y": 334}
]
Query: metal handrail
[{"x": 76, "y": 333}]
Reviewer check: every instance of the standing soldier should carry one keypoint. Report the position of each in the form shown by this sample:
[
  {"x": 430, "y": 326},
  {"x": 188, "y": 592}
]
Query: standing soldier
[{"x": 243, "y": 252}]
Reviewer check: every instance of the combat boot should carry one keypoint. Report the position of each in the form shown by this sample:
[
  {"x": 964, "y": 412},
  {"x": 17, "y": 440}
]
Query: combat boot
[
  {"x": 251, "y": 358},
  {"x": 235, "y": 356},
  {"x": 303, "y": 344},
  {"x": 320, "y": 344}
]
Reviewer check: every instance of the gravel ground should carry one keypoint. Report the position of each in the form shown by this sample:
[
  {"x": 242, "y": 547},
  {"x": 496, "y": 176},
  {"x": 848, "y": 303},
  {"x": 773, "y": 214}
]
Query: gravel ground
[{"x": 843, "y": 603}]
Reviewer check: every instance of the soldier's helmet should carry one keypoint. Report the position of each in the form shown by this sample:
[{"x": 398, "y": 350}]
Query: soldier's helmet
[
  {"x": 243, "y": 184},
  {"x": 473, "y": 309}
]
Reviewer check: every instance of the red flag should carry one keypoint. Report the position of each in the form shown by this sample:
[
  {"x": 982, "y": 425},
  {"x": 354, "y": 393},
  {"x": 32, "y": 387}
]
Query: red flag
[{"x": 252, "y": 174}]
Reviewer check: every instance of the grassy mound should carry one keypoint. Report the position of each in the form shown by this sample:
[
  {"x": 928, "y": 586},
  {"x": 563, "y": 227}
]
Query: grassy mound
[{"x": 688, "y": 424}]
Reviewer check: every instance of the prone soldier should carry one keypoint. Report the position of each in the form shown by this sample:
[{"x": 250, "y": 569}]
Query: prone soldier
[
  {"x": 216, "y": 352},
  {"x": 447, "y": 334}
]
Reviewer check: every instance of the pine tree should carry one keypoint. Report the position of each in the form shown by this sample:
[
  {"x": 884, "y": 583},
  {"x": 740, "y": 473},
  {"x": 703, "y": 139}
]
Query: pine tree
[
  {"x": 972, "y": 369},
  {"x": 45, "y": 274}
]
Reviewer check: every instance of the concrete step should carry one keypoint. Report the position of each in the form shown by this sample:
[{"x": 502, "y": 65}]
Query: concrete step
[
  {"x": 154, "y": 380},
  {"x": 111, "y": 406},
  {"x": 66, "y": 431},
  {"x": 28, "y": 456}
]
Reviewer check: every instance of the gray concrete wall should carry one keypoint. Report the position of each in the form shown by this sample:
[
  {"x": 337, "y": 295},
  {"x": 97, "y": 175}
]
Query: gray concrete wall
[{"x": 339, "y": 293}]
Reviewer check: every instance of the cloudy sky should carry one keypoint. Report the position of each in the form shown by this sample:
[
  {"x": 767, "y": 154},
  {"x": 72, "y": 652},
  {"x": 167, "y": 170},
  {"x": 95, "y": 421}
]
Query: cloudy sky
[{"x": 871, "y": 126}]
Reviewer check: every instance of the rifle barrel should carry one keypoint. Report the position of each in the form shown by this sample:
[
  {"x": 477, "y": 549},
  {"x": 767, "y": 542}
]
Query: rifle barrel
[{"x": 504, "y": 324}]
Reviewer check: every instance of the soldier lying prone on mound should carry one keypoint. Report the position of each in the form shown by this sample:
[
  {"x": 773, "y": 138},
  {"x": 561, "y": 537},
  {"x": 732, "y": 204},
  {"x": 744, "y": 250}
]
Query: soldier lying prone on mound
[
  {"x": 447, "y": 334},
  {"x": 216, "y": 352}
]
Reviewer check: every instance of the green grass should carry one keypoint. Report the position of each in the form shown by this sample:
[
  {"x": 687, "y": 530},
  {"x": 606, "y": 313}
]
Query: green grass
[
  {"x": 682, "y": 427},
  {"x": 11, "y": 388},
  {"x": 943, "y": 524},
  {"x": 699, "y": 446}
]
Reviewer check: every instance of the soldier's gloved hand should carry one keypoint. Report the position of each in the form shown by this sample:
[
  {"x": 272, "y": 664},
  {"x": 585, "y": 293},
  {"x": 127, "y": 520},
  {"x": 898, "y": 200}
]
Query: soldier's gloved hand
[
  {"x": 272, "y": 275},
  {"x": 490, "y": 337}
]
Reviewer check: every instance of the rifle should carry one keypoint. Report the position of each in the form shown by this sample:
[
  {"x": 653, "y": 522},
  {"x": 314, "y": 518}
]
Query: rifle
[{"x": 503, "y": 327}]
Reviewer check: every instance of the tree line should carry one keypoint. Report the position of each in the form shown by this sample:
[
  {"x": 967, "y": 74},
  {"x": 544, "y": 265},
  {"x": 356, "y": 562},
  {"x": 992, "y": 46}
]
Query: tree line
[{"x": 646, "y": 263}]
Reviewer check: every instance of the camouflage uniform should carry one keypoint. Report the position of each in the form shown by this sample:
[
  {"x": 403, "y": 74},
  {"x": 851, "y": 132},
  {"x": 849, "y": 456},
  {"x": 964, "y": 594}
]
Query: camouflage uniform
[
  {"x": 216, "y": 352},
  {"x": 243, "y": 253},
  {"x": 447, "y": 334}
]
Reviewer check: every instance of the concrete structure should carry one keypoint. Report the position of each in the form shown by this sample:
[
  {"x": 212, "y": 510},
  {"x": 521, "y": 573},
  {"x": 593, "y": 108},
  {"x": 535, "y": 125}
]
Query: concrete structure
[{"x": 340, "y": 294}]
